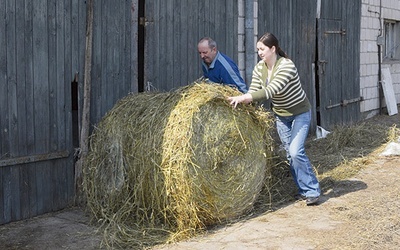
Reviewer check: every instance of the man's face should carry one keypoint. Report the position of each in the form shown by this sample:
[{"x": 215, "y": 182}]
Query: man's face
[{"x": 206, "y": 54}]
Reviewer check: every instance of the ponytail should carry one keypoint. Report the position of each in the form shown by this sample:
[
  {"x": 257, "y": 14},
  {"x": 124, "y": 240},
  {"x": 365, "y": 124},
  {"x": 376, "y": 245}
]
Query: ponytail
[{"x": 282, "y": 53}]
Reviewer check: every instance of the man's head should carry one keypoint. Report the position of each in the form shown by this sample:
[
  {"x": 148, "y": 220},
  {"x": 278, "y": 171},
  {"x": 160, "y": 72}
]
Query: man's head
[{"x": 207, "y": 48}]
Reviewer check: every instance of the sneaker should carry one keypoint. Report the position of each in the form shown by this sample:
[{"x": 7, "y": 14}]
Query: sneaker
[
  {"x": 300, "y": 197},
  {"x": 312, "y": 200}
]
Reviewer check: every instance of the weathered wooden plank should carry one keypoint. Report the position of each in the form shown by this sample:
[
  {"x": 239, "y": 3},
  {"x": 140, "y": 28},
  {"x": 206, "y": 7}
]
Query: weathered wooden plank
[
  {"x": 41, "y": 77},
  {"x": 113, "y": 52},
  {"x": 15, "y": 193},
  {"x": 123, "y": 88},
  {"x": 125, "y": 73},
  {"x": 74, "y": 28},
  {"x": 104, "y": 59},
  {"x": 29, "y": 81},
  {"x": 133, "y": 41},
  {"x": 12, "y": 77},
  {"x": 41, "y": 94},
  {"x": 62, "y": 90},
  {"x": 4, "y": 135},
  {"x": 33, "y": 193},
  {"x": 97, "y": 62},
  {"x": 7, "y": 195},
  {"x": 176, "y": 43},
  {"x": 351, "y": 72},
  {"x": 48, "y": 186},
  {"x": 66, "y": 65},
  {"x": 2, "y": 203},
  {"x": 218, "y": 25},
  {"x": 24, "y": 185},
  {"x": 182, "y": 74},
  {"x": 20, "y": 79},
  {"x": 193, "y": 35},
  {"x": 34, "y": 158},
  {"x": 151, "y": 41},
  {"x": 52, "y": 86},
  {"x": 231, "y": 31},
  {"x": 163, "y": 65},
  {"x": 29, "y": 188}
]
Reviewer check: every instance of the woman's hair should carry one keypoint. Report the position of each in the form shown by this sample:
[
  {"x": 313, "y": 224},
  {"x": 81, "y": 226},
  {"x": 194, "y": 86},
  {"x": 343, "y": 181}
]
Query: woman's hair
[{"x": 269, "y": 40}]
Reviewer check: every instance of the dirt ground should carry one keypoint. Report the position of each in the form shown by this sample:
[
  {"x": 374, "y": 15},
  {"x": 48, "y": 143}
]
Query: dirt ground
[{"x": 362, "y": 212}]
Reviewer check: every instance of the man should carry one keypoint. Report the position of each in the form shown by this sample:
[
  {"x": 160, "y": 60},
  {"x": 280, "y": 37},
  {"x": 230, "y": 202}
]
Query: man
[{"x": 219, "y": 68}]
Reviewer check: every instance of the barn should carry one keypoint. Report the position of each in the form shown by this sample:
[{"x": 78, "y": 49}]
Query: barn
[{"x": 65, "y": 63}]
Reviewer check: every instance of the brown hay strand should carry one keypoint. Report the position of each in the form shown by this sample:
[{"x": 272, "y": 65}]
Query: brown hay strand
[{"x": 163, "y": 166}]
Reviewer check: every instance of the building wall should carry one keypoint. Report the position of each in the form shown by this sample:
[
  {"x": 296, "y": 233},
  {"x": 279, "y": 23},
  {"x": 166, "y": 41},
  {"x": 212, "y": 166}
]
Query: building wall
[
  {"x": 247, "y": 30},
  {"x": 372, "y": 17}
]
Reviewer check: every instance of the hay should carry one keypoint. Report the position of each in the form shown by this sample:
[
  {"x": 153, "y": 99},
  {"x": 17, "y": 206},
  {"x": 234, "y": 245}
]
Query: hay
[{"x": 163, "y": 166}]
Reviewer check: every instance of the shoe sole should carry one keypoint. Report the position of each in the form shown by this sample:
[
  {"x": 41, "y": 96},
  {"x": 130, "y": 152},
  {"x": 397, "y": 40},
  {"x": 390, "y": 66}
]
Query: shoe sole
[{"x": 312, "y": 201}]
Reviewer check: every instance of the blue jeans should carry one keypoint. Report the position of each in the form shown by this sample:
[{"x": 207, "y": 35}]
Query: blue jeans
[{"x": 293, "y": 131}]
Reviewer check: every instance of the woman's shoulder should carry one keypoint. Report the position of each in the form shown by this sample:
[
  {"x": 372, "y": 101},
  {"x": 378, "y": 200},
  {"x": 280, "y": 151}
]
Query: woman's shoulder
[
  {"x": 285, "y": 60},
  {"x": 286, "y": 63}
]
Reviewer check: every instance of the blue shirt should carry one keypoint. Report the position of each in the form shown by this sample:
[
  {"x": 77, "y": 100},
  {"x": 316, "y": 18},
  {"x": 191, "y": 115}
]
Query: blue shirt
[{"x": 224, "y": 70}]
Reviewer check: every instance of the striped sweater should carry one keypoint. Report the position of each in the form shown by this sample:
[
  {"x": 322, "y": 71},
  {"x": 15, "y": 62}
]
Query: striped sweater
[{"x": 284, "y": 89}]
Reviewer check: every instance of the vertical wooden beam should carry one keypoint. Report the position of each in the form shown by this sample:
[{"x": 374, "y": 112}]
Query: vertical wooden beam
[{"x": 85, "y": 128}]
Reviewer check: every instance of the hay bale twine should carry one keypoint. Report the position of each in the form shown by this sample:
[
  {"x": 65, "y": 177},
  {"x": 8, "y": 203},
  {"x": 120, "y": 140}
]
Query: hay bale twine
[{"x": 164, "y": 165}]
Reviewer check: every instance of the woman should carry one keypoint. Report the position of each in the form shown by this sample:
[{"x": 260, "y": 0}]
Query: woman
[{"x": 275, "y": 77}]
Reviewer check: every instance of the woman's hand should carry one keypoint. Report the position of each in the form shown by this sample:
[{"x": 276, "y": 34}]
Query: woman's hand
[{"x": 235, "y": 100}]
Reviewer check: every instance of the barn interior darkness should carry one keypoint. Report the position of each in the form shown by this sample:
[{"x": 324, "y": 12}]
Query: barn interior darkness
[{"x": 141, "y": 39}]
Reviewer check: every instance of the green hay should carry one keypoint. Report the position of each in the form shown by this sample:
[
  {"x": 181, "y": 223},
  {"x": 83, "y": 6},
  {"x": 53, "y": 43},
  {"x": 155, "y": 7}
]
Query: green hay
[{"x": 164, "y": 166}]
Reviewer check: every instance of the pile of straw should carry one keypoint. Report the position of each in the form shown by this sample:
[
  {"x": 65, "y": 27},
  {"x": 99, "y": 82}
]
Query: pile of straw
[{"x": 164, "y": 166}]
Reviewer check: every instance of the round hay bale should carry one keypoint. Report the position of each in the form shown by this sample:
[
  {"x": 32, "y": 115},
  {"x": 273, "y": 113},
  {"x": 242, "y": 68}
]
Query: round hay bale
[{"x": 161, "y": 166}]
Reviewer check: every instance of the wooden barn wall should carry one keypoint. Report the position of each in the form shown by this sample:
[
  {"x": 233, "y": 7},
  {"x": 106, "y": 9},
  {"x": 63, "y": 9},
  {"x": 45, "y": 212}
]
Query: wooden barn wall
[
  {"x": 294, "y": 24},
  {"x": 115, "y": 49},
  {"x": 40, "y": 53},
  {"x": 172, "y": 31},
  {"x": 327, "y": 58},
  {"x": 42, "y": 46}
]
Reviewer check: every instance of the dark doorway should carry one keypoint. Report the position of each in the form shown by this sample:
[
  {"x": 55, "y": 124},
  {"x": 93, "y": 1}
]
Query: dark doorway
[
  {"x": 141, "y": 48},
  {"x": 75, "y": 112}
]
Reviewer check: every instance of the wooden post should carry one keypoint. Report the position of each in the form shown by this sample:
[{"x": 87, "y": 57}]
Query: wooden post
[{"x": 85, "y": 125}]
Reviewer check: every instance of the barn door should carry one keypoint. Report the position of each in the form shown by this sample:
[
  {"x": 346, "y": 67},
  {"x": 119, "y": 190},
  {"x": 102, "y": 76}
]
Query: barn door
[{"x": 337, "y": 79}]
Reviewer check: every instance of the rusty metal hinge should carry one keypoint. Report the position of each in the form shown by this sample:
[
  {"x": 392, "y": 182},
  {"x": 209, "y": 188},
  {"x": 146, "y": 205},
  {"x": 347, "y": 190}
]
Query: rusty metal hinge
[{"x": 344, "y": 103}]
